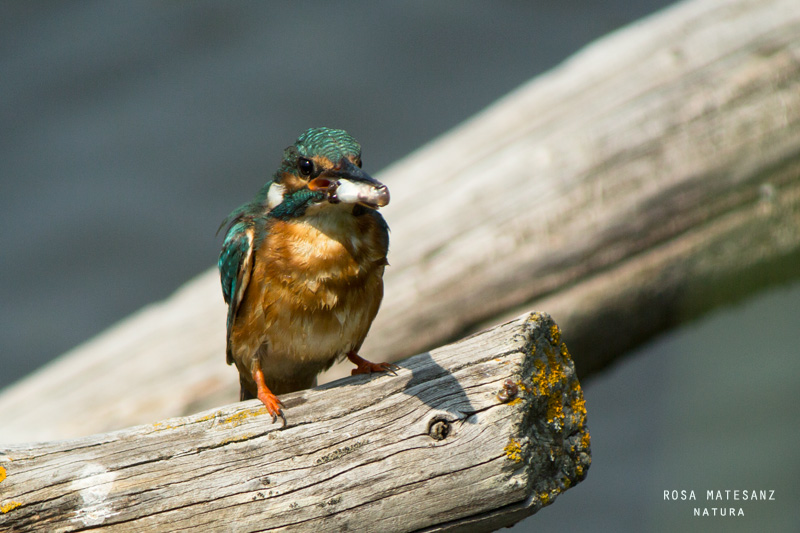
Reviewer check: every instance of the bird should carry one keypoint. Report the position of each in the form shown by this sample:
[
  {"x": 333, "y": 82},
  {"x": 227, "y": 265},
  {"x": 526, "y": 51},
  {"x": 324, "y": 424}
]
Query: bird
[{"x": 301, "y": 269}]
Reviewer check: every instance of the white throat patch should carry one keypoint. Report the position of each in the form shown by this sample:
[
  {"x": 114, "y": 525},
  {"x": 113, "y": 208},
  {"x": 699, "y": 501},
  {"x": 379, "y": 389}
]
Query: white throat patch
[{"x": 275, "y": 195}]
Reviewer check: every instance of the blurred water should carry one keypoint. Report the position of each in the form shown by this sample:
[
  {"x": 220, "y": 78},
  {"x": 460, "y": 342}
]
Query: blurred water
[
  {"x": 131, "y": 129},
  {"x": 709, "y": 406}
]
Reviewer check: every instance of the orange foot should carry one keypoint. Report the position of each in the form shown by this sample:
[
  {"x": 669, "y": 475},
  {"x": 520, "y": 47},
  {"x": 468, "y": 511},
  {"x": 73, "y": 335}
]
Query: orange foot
[
  {"x": 270, "y": 401},
  {"x": 365, "y": 367}
]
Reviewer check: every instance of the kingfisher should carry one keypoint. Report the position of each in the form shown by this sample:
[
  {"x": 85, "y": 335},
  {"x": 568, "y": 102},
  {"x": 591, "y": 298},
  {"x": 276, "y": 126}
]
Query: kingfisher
[{"x": 302, "y": 267}]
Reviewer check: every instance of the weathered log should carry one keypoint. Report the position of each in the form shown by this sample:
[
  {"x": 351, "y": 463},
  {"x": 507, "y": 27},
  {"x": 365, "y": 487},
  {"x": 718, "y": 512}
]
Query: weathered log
[
  {"x": 475, "y": 435},
  {"x": 650, "y": 178}
]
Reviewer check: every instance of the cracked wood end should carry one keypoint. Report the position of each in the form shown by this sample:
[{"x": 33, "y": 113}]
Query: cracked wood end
[{"x": 472, "y": 436}]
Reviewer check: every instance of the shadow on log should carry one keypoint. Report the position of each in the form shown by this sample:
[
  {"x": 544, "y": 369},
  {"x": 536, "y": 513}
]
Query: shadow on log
[
  {"x": 650, "y": 178},
  {"x": 475, "y": 435}
]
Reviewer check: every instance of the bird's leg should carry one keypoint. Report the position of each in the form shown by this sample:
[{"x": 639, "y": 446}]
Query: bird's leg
[
  {"x": 366, "y": 367},
  {"x": 270, "y": 401}
]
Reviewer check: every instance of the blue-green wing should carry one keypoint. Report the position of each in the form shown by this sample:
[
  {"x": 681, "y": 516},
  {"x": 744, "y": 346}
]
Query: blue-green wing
[{"x": 235, "y": 265}]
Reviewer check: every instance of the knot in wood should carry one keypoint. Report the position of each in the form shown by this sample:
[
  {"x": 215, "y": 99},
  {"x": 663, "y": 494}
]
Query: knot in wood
[{"x": 439, "y": 429}]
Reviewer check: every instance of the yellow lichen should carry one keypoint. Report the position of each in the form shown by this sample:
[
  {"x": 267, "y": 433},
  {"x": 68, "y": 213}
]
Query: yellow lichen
[
  {"x": 515, "y": 401},
  {"x": 556, "y": 365},
  {"x": 586, "y": 440},
  {"x": 10, "y": 506},
  {"x": 161, "y": 426},
  {"x": 555, "y": 334},
  {"x": 2, "y": 474},
  {"x": 513, "y": 450},
  {"x": 553, "y": 382},
  {"x": 555, "y": 409},
  {"x": 578, "y": 402},
  {"x": 553, "y": 377},
  {"x": 544, "y": 497},
  {"x": 238, "y": 418},
  {"x": 231, "y": 440},
  {"x": 235, "y": 419},
  {"x": 208, "y": 417},
  {"x": 546, "y": 381},
  {"x": 547, "y": 377}
]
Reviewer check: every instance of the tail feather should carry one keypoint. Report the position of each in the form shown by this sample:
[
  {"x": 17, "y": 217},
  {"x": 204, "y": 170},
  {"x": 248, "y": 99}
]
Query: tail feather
[{"x": 244, "y": 393}]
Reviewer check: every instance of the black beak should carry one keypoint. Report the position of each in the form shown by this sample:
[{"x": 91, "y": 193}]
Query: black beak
[
  {"x": 353, "y": 185},
  {"x": 347, "y": 170}
]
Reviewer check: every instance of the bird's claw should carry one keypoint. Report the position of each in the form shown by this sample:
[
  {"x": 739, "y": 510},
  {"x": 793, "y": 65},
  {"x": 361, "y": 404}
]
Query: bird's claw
[
  {"x": 367, "y": 367},
  {"x": 270, "y": 401},
  {"x": 389, "y": 367},
  {"x": 273, "y": 406}
]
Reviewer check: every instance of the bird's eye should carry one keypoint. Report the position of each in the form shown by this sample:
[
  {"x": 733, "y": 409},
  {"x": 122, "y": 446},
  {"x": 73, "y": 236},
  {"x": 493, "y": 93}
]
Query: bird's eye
[
  {"x": 306, "y": 166},
  {"x": 358, "y": 162}
]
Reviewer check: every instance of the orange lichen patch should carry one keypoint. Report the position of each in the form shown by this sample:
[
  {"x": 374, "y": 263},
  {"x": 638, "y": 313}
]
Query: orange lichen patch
[
  {"x": 547, "y": 376},
  {"x": 551, "y": 379},
  {"x": 544, "y": 497},
  {"x": 555, "y": 334},
  {"x": 235, "y": 418},
  {"x": 579, "y": 404},
  {"x": 208, "y": 417},
  {"x": 556, "y": 364},
  {"x": 555, "y": 409},
  {"x": 232, "y": 440},
  {"x": 578, "y": 401},
  {"x": 515, "y": 401},
  {"x": 513, "y": 450},
  {"x": 2, "y": 474},
  {"x": 586, "y": 440},
  {"x": 161, "y": 426},
  {"x": 241, "y": 416},
  {"x": 10, "y": 506},
  {"x": 535, "y": 317}
]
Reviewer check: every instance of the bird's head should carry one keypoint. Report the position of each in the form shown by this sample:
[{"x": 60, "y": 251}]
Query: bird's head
[{"x": 323, "y": 167}]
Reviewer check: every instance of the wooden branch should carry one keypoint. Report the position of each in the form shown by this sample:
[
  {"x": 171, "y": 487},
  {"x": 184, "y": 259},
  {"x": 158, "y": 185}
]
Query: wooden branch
[
  {"x": 445, "y": 438},
  {"x": 650, "y": 178}
]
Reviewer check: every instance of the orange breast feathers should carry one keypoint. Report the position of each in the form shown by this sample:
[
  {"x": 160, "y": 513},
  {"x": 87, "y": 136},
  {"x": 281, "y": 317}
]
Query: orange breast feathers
[{"x": 315, "y": 288}]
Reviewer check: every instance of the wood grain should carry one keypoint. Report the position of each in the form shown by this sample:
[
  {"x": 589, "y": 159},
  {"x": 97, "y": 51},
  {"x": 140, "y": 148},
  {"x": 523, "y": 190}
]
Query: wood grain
[
  {"x": 650, "y": 178},
  {"x": 358, "y": 455}
]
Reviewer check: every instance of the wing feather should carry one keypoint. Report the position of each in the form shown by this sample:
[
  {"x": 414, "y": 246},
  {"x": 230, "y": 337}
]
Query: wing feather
[{"x": 235, "y": 266}]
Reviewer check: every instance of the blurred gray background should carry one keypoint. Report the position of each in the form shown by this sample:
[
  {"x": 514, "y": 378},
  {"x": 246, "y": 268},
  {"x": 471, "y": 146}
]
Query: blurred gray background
[{"x": 130, "y": 129}]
